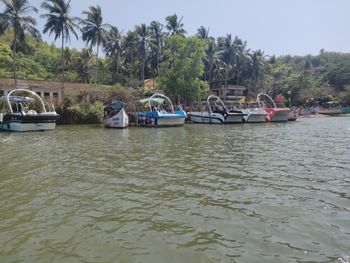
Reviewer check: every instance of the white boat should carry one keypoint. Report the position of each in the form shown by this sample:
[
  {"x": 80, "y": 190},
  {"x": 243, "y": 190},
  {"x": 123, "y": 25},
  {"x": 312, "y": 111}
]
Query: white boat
[
  {"x": 158, "y": 111},
  {"x": 253, "y": 112},
  {"x": 21, "y": 113},
  {"x": 214, "y": 111},
  {"x": 115, "y": 115}
]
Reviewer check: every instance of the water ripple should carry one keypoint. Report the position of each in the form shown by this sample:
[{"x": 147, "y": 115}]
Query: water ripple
[{"x": 202, "y": 193}]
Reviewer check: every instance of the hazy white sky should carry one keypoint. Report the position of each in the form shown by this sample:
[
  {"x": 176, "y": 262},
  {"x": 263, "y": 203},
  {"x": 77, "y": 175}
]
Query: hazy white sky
[{"x": 280, "y": 27}]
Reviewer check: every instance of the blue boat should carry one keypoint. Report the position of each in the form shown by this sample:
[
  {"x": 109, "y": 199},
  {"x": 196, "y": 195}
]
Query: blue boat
[{"x": 158, "y": 111}]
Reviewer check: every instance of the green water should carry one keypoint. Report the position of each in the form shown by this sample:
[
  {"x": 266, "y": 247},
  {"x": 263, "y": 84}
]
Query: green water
[{"x": 200, "y": 193}]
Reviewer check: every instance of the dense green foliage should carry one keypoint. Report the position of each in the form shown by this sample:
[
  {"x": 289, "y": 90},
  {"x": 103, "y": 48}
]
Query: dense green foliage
[
  {"x": 16, "y": 17},
  {"x": 184, "y": 66},
  {"x": 86, "y": 106}
]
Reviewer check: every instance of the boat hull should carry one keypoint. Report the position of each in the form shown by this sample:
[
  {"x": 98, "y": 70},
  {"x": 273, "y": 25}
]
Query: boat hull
[
  {"x": 169, "y": 122},
  {"x": 255, "y": 117},
  {"x": 293, "y": 115},
  {"x": 28, "y": 122},
  {"x": 206, "y": 118},
  {"x": 119, "y": 120},
  {"x": 234, "y": 118},
  {"x": 25, "y": 127},
  {"x": 277, "y": 115},
  {"x": 162, "y": 119}
]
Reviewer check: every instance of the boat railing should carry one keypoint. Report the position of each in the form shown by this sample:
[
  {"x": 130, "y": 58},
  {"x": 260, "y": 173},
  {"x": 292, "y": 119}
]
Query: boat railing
[
  {"x": 49, "y": 107},
  {"x": 154, "y": 96},
  {"x": 266, "y": 99},
  {"x": 27, "y": 91}
]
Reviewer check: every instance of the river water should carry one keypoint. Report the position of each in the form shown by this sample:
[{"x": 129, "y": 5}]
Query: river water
[{"x": 200, "y": 193}]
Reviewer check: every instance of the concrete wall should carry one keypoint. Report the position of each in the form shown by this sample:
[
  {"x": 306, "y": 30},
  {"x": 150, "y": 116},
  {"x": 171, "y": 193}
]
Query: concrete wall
[{"x": 49, "y": 91}]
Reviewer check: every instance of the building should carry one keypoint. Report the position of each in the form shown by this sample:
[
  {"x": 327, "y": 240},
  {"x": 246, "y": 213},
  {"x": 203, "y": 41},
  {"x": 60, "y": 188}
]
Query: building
[
  {"x": 231, "y": 93},
  {"x": 49, "y": 91}
]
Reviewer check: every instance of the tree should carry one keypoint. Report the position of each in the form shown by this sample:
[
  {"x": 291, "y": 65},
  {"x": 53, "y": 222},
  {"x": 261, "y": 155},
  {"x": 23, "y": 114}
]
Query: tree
[
  {"x": 228, "y": 55},
  {"x": 15, "y": 18},
  {"x": 212, "y": 60},
  {"x": 82, "y": 65},
  {"x": 113, "y": 49},
  {"x": 130, "y": 47},
  {"x": 257, "y": 67},
  {"x": 181, "y": 77},
  {"x": 94, "y": 31},
  {"x": 60, "y": 23},
  {"x": 203, "y": 33},
  {"x": 156, "y": 41},
  {"x": 175, "y": 26},
  {"x": 142, "y": 32},
  {"x": 241, "y": 61}
]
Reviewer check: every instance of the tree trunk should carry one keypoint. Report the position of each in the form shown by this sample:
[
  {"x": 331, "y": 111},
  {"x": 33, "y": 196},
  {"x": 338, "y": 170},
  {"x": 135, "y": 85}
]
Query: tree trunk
[
  {"x": 62, "y": 63},
  {"x": 225, "y": 90},
  {"x": 14, "y": 57},
  {"x": 96, "y": 63},
  {"x": 116, "y": 68},
  {"x": 143, "y": 70},
  {"x": 210, "y": 72},
  {"x": 158, "y": 58}
]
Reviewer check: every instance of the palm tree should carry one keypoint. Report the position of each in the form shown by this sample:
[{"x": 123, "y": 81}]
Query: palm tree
[
  {"x": 82, "y": 65},
  {"x": 113, "y": 49},
  {"x": 94, "y": 31},
  {"x": 175, "y": 26},
  {"x": 156, "y": 41},
  {"x": 212, "y": 59},
  {"x": 130, "y": 47},
  {"x": 228, "y": 51},
  {"x": 242, "y": 57},
  {"x": 15, "y": 17},
  {"x": 203, "y": 33},
  {"x": 142, "y": 32},
  {"x": 60, "y": 23},
  {"x": 258, "y": 66}
]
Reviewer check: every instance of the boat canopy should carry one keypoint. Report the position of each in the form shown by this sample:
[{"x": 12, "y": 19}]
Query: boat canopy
[
  {"x": 116, "y": 105},
  {"x": 17, "y": 99},
  {"x": 21, "y": 99},
  {"x": 156, "y": 100},
  {"x": 151, "y": 100}
]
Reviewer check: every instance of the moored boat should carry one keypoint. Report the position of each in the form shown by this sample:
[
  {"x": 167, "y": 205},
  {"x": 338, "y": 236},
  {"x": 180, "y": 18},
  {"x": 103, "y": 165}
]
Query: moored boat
[
  {"x": 158, "y": 111},
  {"x": 22, "y": 113},
  {"x": 214, "y": 111},
  {"x": 275, "y": 114},
  {"x": 253, "y": 112},
  {"x": 293, "y": 114},
  {"x": 115, "y": 115}
]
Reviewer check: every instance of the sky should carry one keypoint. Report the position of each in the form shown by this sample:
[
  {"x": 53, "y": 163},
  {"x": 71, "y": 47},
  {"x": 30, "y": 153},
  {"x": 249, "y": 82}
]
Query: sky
[{"x": 278, "y": 27}]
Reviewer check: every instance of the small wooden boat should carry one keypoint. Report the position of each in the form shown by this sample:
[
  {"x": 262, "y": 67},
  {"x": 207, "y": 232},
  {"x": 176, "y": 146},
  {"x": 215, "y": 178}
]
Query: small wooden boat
[
  {"x": 115, "y": 115},
  {"x": 158, "y": 111},
  {"x": 21, "y": 113}
]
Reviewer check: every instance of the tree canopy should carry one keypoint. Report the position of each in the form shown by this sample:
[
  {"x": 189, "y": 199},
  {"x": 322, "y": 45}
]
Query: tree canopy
[{"x": 185, "y": 66}]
